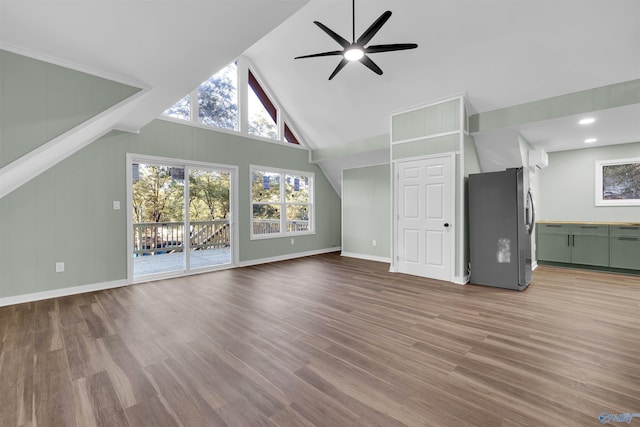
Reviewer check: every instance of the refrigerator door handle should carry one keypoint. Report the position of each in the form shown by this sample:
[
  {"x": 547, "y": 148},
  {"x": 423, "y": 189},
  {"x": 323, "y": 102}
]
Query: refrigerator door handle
[{"x": 532, "y": 210}]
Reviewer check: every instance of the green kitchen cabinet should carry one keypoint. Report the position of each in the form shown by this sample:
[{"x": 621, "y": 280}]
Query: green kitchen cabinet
[
  {"x": 554, "y": 242},
  {"x": 574, "y": 243},
  {"x": 590, "y": 244},
  {"x": 624, "y": 242}
]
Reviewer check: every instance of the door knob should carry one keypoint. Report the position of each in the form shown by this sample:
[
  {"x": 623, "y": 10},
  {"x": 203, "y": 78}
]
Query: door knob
[{"x": 446, "y": 224}]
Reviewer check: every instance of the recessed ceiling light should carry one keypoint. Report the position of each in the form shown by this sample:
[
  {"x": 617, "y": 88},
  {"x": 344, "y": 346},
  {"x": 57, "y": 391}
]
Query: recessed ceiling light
[
  {"x": 587, "y": 121},
  {"x": 590, "y": 140}
]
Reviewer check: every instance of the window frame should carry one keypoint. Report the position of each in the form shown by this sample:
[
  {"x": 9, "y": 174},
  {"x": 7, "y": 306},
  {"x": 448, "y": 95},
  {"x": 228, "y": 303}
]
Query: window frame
[
  {"x": 283, "y": 121},
  {"x": 195, "y": 104},
  {"x": 283, "y": 203},
  {"x": 600, "y": 187}
]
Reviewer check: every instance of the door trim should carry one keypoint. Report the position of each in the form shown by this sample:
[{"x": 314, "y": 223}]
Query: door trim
[
  {"x": 132, "y": 158},
  {"x": 395, "y": 212}
]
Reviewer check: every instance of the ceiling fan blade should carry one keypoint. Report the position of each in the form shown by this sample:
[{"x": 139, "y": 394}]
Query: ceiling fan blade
[
  {"x": 371, "y": 65},
  {"x": 334, "y": 52},
  {"x": 338, "y": 68},
  {"x": 390, "y": 47},
  {"x": 373, "y": 29},
  {"x": 341, "y": 41}
]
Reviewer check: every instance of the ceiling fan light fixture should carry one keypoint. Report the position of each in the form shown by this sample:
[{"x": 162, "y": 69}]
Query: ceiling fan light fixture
[
  {"x": 357, "y": 49},
  {"x": 353, "y": 53}
]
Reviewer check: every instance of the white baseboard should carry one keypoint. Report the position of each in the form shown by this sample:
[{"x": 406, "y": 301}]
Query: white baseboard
[
  {"x": 367, "y": 257},
  {"x": 63, "y": 292},
  {"x": 461, "y": 280},
  {"x": 287, "y": 256},
  {"x": 534, "y": 265}
]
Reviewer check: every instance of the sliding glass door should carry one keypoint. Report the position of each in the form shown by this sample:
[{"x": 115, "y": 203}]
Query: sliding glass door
[
  {"x": 209, "y": 218},
  {"x": 181, "y": 217},
  {"x": 158, "y": 218}
]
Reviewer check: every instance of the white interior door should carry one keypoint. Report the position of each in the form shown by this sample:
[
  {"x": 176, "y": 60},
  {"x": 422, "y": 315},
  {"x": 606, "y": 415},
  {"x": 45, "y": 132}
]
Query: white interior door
[{"x": 425, "y": 217}]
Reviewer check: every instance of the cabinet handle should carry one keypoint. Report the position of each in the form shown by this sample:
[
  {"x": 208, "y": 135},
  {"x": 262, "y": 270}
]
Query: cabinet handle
[
  {"x": 568, "y": 240},
  {"x": 553, "y": 225},
  {"x": 588, "y": 226},
  {"x": 573, "y": 240},
  {"x": 631, "y": 239},
  {"x": 628, "y": 228}
]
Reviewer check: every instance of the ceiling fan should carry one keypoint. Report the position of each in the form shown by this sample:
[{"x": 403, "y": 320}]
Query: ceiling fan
[{"x": 356, "y": 50}]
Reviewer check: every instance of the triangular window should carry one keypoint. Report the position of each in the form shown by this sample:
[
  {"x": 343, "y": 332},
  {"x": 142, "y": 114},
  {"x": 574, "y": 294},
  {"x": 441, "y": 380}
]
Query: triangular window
[
  {"x": 180, "y": 110},
  {"x": 263, "y": 115},
  {"x": 217, "y": 102}
]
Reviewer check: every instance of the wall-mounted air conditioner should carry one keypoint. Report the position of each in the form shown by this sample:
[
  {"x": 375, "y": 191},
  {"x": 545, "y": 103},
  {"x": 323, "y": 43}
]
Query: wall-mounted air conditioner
[{"x": 538, "y": 158}]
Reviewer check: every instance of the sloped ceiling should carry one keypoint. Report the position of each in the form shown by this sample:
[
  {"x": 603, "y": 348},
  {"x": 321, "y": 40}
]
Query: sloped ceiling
[
  {"x": 499, "y": 52},
  {"x": 167, "y": 46}
]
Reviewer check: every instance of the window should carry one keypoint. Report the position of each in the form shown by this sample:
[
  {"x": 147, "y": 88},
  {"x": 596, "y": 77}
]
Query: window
[
  {"x": 281, "y": 202},
  {"x": 217, "y": 102},
  {"x": 263, "y": 115},
  {"x": 218, "y": 99},
  {"x": 180, "y": 110},
  {"x": 289, "y": 136}
]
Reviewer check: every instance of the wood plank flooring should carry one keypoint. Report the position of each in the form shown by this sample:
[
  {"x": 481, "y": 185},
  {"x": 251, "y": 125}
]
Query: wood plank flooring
[{"x": 325, "y": 341}]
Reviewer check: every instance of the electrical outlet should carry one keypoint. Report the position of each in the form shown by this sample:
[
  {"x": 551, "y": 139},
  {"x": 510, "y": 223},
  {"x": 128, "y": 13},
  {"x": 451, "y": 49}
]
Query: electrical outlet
[
  {"x": 59, "y": 267},
  {"x": 374, "y": 242},
  {"x": 116, "y": 205},
  {"x": 293, "y": 241}
]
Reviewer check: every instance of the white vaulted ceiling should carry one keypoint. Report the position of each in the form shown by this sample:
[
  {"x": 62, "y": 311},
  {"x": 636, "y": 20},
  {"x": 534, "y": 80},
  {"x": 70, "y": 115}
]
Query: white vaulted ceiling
[
  {"x": 168, "y": 46},
  {"x": 499, "y": 52}
]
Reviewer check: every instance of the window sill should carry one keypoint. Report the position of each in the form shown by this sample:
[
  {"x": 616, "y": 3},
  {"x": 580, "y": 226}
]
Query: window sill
[
  {"x": 281, "y": 235},
  {"x": 231, "y": 132}
]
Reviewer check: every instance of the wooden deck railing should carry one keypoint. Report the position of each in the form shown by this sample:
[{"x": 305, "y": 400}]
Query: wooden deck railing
[
  {"x": 270, "y": 226},
  {"x": 154, "y": 238},
  {"x": 210, "y": 234}
]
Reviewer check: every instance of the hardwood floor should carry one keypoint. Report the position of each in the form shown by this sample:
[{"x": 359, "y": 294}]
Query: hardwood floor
[{"x": 325, "y": 341}]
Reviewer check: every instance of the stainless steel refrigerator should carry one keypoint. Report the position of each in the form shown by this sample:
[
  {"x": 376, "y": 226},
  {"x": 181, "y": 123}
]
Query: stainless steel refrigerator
[{"x": 501, "y": 219}]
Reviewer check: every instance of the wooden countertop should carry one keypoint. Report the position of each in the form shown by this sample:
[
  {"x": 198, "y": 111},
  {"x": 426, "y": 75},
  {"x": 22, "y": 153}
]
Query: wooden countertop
[{"x": 627, "y": 224}]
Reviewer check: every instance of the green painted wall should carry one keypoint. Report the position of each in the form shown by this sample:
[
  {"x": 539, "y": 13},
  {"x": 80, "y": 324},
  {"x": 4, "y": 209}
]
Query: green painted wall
[
  {"x": 426, "y": 147},
  {"x": 366, "y": 211},
  {"x": 566, "y": 188},
  {"x": 40, "y": 101},
  {"x": 66, "y": 213},
  {"x": 601, "y": 98},
  {"x": 471, "y": 159},
  {"x": 430, "y": 120},
  {"x": 378, "y": 142}
]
